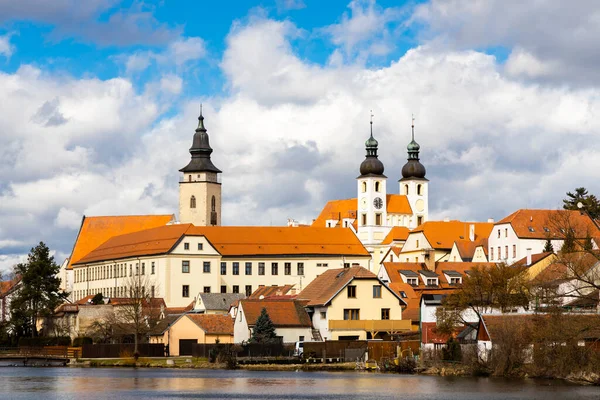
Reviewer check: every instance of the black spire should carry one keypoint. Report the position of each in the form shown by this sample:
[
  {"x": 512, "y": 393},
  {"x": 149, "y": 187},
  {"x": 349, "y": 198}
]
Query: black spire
[
  {"x": 200, "y": 151},
  {"x": 413, "y": 168},
  {"x": 371, "y": 166}
]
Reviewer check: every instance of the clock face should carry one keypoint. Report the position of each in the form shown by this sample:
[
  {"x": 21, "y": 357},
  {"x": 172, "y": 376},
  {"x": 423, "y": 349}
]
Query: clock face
[
  {"x": 420, "y": 205},
  {"x": 378, "y": 203},
  {"x": 363, "y": 203}
]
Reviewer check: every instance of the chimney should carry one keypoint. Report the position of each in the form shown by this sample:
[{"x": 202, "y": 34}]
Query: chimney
[
  {"x": 490, "y": 220},
  {"x": 528, "y": 257},
  {"x": 472, "y": 232},
  {"x": 447, "y": 219}
]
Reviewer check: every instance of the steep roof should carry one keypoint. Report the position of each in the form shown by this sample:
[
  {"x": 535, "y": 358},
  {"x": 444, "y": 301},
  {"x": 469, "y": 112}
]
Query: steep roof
[
  {"x": 7, "y": 287},
  {"x": 325, "y": 286},
  {"x": 233, "y": 241},
  {"x": 347, "y": 208},
  {"x": 543, "y": 224},
  {"x": 397, "y": 233},
  {"x": 270, "y": 291},
  {"x": 535, "y": 258},
  {"x": 162, "y": 325},
  {"x": 443, "y": 234},
  {"x": 213, "y": 324},
  {"x": 283, "y": 313},
  {"x": 96, "y": 230},
  {"x": 179, "y": 310},
  {"x": 219, "y": 301}
]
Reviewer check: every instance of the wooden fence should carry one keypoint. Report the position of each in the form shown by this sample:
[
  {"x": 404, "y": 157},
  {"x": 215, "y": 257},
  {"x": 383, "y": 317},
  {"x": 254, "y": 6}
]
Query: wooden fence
[
  {"x": 351, "y": 350},
  {"x": 42, "y": 351},
  {"x": 247, "y": 350},
  {"x": 123, "y": 350}
]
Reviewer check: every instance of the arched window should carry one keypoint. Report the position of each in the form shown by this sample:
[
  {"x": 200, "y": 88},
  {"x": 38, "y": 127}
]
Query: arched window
[
  {"x": 213, "y": 204},
  {"x": 406, "y": 189},
  {"x": 193, "y": 202},
  {"x": 419, "y": 189},
  {"x": 377, "y": 186},
  {"x": 189, "y": 178},
  {"x": 364, "y": 187}
]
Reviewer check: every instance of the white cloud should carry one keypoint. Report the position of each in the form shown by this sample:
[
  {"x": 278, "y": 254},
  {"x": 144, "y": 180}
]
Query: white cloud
[
  {"x": 185, "y": 49},
  {"x": 286, "y": 5},
  {"x": 6, "y": 48},
  {"x": 176, "y": 55}
]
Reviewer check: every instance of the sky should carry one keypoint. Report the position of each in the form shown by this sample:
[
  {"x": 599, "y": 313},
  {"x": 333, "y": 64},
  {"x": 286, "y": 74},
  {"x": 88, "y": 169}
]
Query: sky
[{"x": 99, "y": 100}]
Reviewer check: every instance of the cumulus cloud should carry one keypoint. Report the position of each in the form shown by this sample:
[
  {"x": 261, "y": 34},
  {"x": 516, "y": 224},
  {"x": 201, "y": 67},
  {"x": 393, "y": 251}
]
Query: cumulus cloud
[
  {"x": 177, "y": 54},
  {"x": 551, "y": 41}
]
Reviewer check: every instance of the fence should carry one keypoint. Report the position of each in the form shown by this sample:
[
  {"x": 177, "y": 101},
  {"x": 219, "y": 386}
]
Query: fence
[
  {"x": 351, "y": 350},
  {"x": 42, "y": 351},
  {"x": 247, "y": 350},
  {"x": 122, "y": 350}
]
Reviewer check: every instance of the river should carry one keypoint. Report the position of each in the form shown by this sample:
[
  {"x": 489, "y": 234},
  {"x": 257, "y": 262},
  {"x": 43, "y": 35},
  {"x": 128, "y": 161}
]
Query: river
[{"x": 129, "y": 383}]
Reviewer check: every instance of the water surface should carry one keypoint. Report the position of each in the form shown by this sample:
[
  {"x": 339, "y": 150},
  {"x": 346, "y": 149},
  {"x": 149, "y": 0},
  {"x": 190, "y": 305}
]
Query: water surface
[{"x": 140, "y": 383}]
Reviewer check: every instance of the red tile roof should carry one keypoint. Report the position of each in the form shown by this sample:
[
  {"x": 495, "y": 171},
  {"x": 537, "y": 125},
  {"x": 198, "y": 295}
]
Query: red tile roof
[
  {"x": 443, "y": 234},
  {"x": 542, "y": 224},
  {"x": 213, "y": 324},
  {"x": 397, "y": 233},
  {"x": 96, "y": 230},
  {"x": 535, "y": 258},
  {"x": 283, "y": 313},
  {"x": 325, "y": 286}
]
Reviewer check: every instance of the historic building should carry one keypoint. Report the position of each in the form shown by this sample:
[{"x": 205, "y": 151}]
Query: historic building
[{"x": 374, "y": 213}]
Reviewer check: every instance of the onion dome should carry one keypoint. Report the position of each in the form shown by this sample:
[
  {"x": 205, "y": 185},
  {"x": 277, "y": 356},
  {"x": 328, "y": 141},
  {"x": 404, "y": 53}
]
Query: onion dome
[
  {"x": 413, "y": 168},
  {"x": 200, "y": 151},
  {"x": 371, "y": 166}
]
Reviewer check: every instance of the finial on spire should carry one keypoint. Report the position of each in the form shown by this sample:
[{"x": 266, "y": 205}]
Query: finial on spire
[
  {"x": 200, "y": 109},
  {"x": 372, "y": 115},
  {"x": 413, "y": 126},
  {"x": 201, "y": 120}
]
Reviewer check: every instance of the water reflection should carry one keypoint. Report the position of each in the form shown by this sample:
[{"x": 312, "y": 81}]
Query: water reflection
[{"x": 83, "y": 384}]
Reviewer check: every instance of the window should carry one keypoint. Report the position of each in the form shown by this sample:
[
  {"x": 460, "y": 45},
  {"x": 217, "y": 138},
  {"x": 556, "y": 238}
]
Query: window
[
  {"x": 351, "y": 313},
  {"x": 137, "y": 269},
  {"x": 498, "y": 233},
  {"x": 152, "y": 268},
  {"x": 236, "y": 289},
  {"x": 185, "y": 291},
  {"x": 236, "y": 268},
  {"x": 261, "y": 268},
  {"x": 363, "y": 219},
  {"x": 403, "y": 294},
  {"x": 206, "y": 267},
  {"x": 143, "y": 268},
  {"x": 346, "y": 265},
  {"x": 206, "y": 289},
  {"x": 364, "y": 187},
  {"x": 185, "y": 267},
  {"x": 213, "y": 204},
  {"x": 385, "y": 313},
  {"x": 152, "y": 292},
  {"x": 432, "y": 282},
  {"x": 301, "y": 338},
  {"x": 322, "y": 265},
  {"x": 200, "y": 246},
  {"x": 300, "y": 268},
  {"x": 505, "y": 251},
  {"x": 418, "y": 192},
  {"x": 351, "y": 292},
  {"x": 499, "y": 252},
  {"x": 378, "y": 219},
  {"x": 405, "y": 189},
  {"x": 223, "y": 268},
  {"x": 514, "y": 250},
  {"x": 455, "y": 281},
  {"x": 491, "y": 253},
  {"x": 376, "y": 291},
  {"x": 248, "y": 290},
  {"x": 412, "y": 281},
  {"x": 248, "y": 268},
  {"x": 223, "y": 289},
  {"x": 186, "y": 246},
  {"x": 505, "y": 232},
  {"x": 192, "y": 199},
  {"x": 419, "y": 220},
  {"x": 323, "y": 315},
  {"x": 287, "y": 268},
  {"x": 274, "y": 269},
  {"x": 130, "y": 270},
  {"x": 417, "y": 244},
  {"x": 377, "y": 186}
]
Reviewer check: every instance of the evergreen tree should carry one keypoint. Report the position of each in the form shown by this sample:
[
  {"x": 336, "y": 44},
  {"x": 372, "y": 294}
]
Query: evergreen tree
[
  {"x": 569, "y": 242},
  {"x": 589, "y": 202},
  {"x": 548, "y": 247},
  {"x": 264, "y": 330},
  {"x": 39, "y": 293},
  {"x": 98, "y": 299}
]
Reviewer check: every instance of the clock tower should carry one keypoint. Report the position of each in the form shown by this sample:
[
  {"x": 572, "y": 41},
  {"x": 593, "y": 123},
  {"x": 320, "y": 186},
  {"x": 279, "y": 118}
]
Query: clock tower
[
  {"x": 200, "y": 188},
  {"x": 372, "y": 201},
  {"x": 414, "y": 185}
]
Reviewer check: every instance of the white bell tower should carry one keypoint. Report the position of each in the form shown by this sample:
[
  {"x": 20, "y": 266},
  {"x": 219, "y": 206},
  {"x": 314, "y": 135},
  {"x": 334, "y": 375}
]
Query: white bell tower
[{"x": 414, "y": 185}]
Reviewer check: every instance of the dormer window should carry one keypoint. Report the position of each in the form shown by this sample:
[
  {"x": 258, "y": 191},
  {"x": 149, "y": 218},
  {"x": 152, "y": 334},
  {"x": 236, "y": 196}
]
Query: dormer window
[
  {"x": 531, "y": 229},
  {"x": 432, "y": 282},
  {"x": 412, "y": 281}
]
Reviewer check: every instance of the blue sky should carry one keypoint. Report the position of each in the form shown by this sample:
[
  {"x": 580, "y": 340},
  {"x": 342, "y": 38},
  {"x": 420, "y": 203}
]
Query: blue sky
[{"x": 99, "y": 100}]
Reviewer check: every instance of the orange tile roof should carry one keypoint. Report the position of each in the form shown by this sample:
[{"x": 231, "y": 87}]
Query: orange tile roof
[
  {"x": 324, "y": 287},
  {"x": 213, "y": 324},
  {"x": 96, "y": 230},
  {"x": 430, "y": 334},
  {"x": 283, "y": 313},
  {"x": 347, "y": 208},
  {"x": 466, "y": 248},
  {"x": 443, "y": 234},
  {"x": 7, "y": 287},
  {"x": 233, "y": 241},
  {"x": 179, "y": 310},
  {"x": 397, "y": 233},
  {"x": 270, "y": 291},
  {"x": 535, "y": 258},
  {"x": 541, "y": 224}
]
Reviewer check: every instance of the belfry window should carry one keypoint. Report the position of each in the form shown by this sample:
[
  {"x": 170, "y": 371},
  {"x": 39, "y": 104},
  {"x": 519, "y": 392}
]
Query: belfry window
[
  {"x": 213, "y": 204},
  {"x": 193, "y": 202},
  {"x": 405, "y": 189},
  {"x": 364, "y": 187},
  {"x": 377, "y": 186},
  {"x": 419, "y": 189}
]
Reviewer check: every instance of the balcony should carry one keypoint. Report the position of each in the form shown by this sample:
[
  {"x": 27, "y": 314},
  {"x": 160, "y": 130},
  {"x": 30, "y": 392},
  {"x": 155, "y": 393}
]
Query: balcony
[{"x": 386, "y": 325}]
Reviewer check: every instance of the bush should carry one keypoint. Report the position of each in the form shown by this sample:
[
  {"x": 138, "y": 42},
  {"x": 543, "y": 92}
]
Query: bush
[
  {"x": 80, "y": 341},
  {"x": 44, "y": 341},
  {"x": 452, "y": 351}
]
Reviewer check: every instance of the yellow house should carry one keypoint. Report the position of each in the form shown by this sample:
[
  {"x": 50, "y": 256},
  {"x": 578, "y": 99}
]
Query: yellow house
[
  {"x": 352, "y": 303},
  {"x": 181, "y": 332}
]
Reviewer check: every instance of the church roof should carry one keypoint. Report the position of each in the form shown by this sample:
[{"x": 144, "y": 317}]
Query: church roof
[
  {"x": 233, "y": 241},
  {"x": 96, "y": 230},
  {"x": 200, "y": 151},
  {"x": 347, "y": 208}
]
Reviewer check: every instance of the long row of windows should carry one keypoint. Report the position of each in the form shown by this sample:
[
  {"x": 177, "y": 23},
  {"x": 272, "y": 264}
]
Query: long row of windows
[
  {"x": 185, "y": 290},
  {"x": 235, "y": 268},
  {"x": 117, "y": 291},
  {"x": 354, "y": 313},
  {"x": 514, "y": 252},
  {"x": 111, "y": 271}
]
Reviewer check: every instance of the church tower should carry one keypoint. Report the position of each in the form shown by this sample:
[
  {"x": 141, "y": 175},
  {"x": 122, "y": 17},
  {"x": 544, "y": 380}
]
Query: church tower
[
  {"x": 200, "y": 189},
  {"x": 414, "y": 184},
  {"x": 372, "y": 201}
]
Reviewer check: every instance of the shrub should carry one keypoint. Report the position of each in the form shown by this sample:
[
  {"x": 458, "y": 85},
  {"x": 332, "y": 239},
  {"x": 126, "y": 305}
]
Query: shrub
[{"x": 80, "y": 341}]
